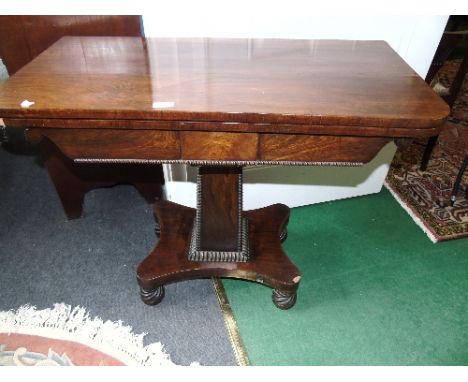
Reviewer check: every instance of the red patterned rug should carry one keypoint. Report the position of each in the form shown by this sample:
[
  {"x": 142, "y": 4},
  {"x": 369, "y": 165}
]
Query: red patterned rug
[
  {"x": 66, "y": 336},
  {"x": 426, "y": 194}
]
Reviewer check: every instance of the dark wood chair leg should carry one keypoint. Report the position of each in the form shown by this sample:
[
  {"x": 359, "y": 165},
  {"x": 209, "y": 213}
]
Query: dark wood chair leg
[
  {"x": 449, "y": 41},
  {"x": 456, "y": 185},
  {"x": 428, "y": 151}
]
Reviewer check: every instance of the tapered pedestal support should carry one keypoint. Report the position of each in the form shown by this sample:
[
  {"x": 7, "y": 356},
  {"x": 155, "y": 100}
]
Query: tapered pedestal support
[{"x": 263, "y": 262}]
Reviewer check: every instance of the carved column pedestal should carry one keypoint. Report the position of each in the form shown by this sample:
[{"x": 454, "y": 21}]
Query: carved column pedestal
[{"x": 218, "y": 239}]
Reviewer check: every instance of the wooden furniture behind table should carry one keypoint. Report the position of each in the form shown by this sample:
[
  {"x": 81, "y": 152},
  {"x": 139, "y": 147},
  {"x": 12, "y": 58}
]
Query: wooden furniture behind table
[
  {"x": 221, "y": 104},
  {"x": 22, "y": 38},
  {"x": 449, "y": 42},
  {"x": 458, "y": 180}
]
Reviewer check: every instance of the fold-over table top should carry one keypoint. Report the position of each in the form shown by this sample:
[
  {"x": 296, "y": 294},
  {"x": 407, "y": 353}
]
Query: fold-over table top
[{"x": 238, "y": 81}]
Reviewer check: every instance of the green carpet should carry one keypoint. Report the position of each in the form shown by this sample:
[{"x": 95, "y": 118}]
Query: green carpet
[{"x": 375, "y": 291}]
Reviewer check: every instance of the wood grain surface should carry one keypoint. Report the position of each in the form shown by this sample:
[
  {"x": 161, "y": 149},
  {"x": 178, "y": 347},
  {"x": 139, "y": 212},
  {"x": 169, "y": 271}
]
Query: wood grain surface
[
  {"x": 266, "y": 81},
  {"x": 144, "y": 145},
  {"x": 220, "y": 208},
  {"x": 111, "y": 144}
]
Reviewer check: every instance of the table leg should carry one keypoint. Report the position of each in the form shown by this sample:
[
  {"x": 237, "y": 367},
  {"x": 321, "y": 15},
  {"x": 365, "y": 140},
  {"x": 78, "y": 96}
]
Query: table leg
[
  {"x": 73, "y": 180},
  {"x": 218, "y": 239},
  {"x": 70, "y": 188}
]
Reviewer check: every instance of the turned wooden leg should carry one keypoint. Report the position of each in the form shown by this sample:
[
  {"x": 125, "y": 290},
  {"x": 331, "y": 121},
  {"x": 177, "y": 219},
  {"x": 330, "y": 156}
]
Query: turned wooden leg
[
  {"x": 456, "y": 184},
  {"x": 284, "y": 300},
  {"x": 152, "y": 296},
  {"x": 427, "y": 152}
]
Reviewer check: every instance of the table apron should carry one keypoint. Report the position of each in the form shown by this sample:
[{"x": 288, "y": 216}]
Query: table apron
[{"x": 119, "y": 145}]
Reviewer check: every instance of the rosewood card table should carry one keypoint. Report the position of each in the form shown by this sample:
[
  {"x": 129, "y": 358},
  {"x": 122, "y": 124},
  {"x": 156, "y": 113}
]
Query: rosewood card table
[{"x": 220, "y": 104}]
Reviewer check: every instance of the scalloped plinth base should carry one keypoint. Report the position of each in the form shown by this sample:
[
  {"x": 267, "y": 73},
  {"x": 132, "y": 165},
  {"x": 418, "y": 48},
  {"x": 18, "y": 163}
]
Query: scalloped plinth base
[{"x": 268, "y": 264}]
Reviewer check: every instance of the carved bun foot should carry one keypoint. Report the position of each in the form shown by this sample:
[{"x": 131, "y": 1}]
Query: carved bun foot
[
  {"x": 152, "y": 296},
  {"x": 284, "y": 234},
  {"x": 284, "y": 300}
]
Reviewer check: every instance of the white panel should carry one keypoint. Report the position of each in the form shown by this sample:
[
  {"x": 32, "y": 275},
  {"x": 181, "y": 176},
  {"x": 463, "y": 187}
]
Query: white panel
[
  {"x": 299, "y": 185},
  {"x": 414, "y": 38},
  {"x": 425, "y": 38},
  {"x": 308, "y": 185}
]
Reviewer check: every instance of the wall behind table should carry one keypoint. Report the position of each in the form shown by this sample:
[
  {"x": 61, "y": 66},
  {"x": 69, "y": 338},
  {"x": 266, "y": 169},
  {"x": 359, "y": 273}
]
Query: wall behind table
[{"x": 414, "y": 38}]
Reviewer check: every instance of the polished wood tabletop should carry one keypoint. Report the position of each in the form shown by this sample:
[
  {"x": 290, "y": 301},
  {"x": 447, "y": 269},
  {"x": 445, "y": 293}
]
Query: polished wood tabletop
[{"x": 303, "y": 86}]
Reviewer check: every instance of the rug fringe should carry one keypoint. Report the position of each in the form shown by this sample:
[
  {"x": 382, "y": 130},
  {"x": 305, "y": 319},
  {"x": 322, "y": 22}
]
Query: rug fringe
[
  {"x": 415, "y": 218},
  {"x": 74, "y": 324}
]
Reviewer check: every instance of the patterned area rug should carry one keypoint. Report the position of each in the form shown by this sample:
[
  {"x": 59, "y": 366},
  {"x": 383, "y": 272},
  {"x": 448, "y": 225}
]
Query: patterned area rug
[
  {"x": 426, "y": 194},
  {"x": 66, "y": 336}
]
